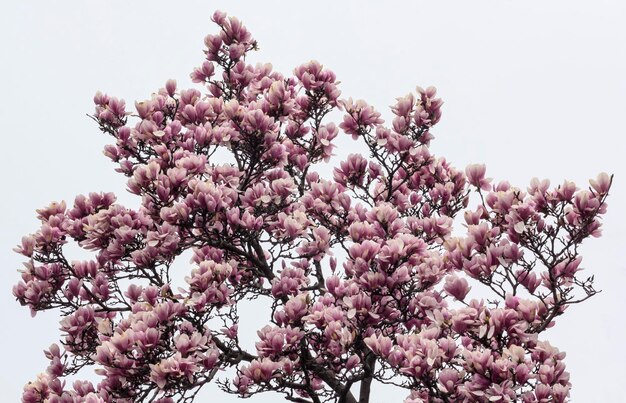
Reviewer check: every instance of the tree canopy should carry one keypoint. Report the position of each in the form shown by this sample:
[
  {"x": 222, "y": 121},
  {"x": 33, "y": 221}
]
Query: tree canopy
[{"x": 363, "y": 275}]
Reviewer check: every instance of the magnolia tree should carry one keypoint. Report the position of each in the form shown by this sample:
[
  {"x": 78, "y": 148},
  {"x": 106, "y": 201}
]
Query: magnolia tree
[{"x": 364, "y": 280}]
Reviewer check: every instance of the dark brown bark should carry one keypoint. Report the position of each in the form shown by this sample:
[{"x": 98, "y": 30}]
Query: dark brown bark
[{"x": 366, "y": 383}]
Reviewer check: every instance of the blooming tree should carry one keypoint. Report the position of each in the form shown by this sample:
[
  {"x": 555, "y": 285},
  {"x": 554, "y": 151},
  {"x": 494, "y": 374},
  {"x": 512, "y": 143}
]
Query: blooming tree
[{"x": 364, "y": 280}]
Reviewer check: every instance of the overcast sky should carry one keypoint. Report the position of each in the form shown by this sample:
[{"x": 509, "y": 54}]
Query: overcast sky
[{"x": 531, "y": 88}]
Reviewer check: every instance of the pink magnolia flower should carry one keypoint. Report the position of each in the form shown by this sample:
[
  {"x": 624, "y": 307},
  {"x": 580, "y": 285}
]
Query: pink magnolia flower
[
  {"x": 261, "y": 370},
  {"x": 476, "y": 176},
  {"x": 602, "y": 183},
  {"x": 457, "y": 287}
]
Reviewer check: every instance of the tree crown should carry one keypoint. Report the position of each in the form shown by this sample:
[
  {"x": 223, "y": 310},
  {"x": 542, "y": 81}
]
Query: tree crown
[{"x": 362, "y": 275}]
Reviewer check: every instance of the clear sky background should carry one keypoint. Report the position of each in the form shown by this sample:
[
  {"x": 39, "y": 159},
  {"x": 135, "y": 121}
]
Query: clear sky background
[{"x": 531, "y": 88}]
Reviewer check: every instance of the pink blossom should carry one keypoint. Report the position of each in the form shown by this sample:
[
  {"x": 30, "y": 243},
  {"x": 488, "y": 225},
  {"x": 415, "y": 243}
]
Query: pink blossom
[
  {"x": 457, "y": 287},
  {"x": 602, "y": 183},
  {"x": 261, "y": 370},
  {"x": 476, "y": 176}
]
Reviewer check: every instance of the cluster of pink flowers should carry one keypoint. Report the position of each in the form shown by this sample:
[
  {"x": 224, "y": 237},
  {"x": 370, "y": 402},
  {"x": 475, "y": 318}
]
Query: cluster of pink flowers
[{"x": 362, "y": 273}]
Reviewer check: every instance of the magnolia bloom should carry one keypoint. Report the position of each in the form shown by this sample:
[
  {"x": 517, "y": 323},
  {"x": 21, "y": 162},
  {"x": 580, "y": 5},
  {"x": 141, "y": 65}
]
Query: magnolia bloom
[
  {"x": 379, "y": 344},
  {"x": 448, "y": 380},
  {"x": 476, "y": 176},
  {"x": 261, "y": 370},
  {"x": 458, "y": 287},
  {"x": 172, "y": 368},
  {"x": 602, "y": 183}
]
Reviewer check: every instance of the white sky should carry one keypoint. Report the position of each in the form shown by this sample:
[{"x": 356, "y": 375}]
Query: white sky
[{"x": 531, "y": 88}]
